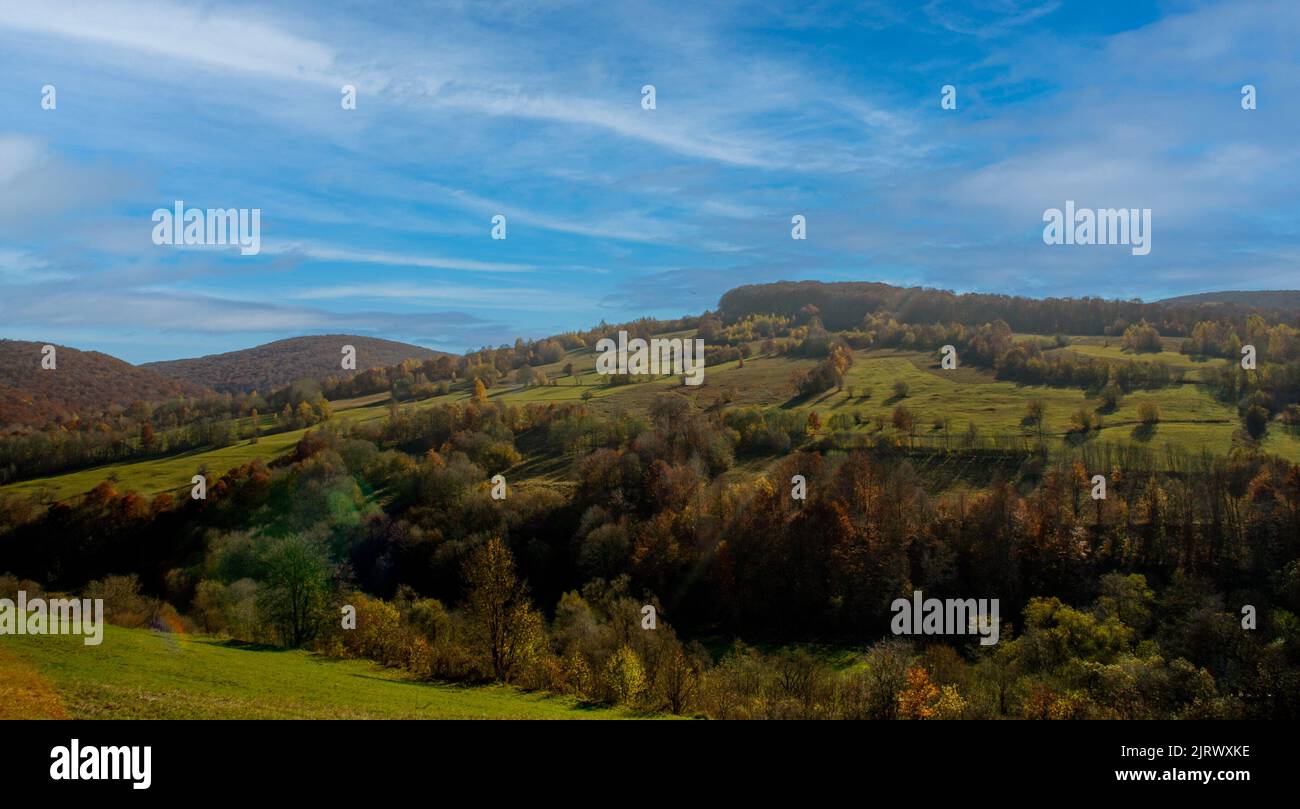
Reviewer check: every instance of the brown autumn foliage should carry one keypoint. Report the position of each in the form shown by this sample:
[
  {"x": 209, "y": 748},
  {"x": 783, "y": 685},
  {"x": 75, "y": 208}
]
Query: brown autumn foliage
[
  {"x": 83, "y": 383},
  {"x": 276, "y": 364}
]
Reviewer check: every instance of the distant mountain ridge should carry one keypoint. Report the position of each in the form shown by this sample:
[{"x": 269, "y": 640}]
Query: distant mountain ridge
[
  {"x": 845, "y": 305},
  {"x": 1267, "y": 299},
  {"x": 90, "y": 383},
  {"x": 82, "y": 382},
  {"x": 273, "y": 365}
]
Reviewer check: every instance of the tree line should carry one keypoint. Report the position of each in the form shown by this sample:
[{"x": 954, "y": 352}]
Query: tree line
[{"x": 1126, "y": 606}]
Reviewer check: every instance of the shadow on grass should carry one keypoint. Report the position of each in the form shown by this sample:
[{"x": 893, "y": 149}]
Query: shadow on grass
[
  {"x": 411, "y": 679},
  {"x": 1077, "y": 438},
  {"x": 1144, "y": 432},
  {"x": 576, "y": 704},
  {"x": 249, "y": 646}
]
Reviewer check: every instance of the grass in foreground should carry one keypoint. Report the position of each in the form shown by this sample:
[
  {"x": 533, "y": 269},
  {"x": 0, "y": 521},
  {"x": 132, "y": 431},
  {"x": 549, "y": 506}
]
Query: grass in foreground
[{"x": 141, "y": 674}]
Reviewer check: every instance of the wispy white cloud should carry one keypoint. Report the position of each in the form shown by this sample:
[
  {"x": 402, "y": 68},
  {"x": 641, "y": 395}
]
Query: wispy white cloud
[
  {"x": 627, "y": 120},
  {"x": 532, "y": 111},
  {"x": 324, "y": 252},
  {"x": 693, "y": 120},
  {"x": 218, "y": 37},
  {"x": 191, "y": 313},
  {"x": 987, "y": 18},
  {"x": 499, "y": 298},
  {"x": 20, "y": 267},
  {"x": 626, "y": 226},
  {"x": 18, "y": 154}
]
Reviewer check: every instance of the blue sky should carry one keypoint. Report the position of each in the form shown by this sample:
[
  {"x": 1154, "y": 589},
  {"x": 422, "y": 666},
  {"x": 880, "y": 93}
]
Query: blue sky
[{"x": 377, "y": 220}]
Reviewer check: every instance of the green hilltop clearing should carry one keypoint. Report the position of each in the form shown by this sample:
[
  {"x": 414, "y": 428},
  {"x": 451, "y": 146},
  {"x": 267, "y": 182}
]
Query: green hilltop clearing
[
  {"x": 943, "y": 403},
  {"x": 144, "y": 674}
]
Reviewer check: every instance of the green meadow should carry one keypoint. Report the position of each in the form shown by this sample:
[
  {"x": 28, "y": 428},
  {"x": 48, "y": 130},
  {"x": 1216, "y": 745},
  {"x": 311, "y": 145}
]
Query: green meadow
[{"x": 143, "y": 674}]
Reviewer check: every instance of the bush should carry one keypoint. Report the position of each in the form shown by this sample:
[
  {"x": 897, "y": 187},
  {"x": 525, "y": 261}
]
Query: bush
[
  {"x": 1081, "y": 421},
  {"x": 1142, "y": 337},
  {"x": 1111, "y": 395},
  {"x": 903, "y": 420},
  {"x": 1149, "y": 413},
  {"x": 624, "y": 678},
  {"x": 209, "y": 608},
  {"x": 10, "y": 585},
  {"x": 123, "y": 603},
  {"x": 1034, "y": 412},
  {"x": 379, "y": 634},
  {"x": 1256, "y": 421},
  {"x": 839, "y": 422},
  {"x": 578, "y": 679}
]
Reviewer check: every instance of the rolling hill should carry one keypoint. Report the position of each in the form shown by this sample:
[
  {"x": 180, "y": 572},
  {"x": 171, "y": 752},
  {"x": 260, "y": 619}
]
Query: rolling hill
[
  {"x": 844, "y": 304},
  {"x": 82, "y": 382},
  {"x": 144, "y": 674},
  {"x": 1265, "y": 299},
  {"x": 1191, "y": 417},
  {"x": 273, "y": 365}
]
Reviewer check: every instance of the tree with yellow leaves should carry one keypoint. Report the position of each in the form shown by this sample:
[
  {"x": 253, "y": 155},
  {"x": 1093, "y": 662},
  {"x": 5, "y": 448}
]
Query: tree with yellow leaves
[
  {"x": 501, "y": 616},
  {"x": 625, "y": 678},
  {"x": 918, "y": 699},
  {"x": 814, "y": 423}
]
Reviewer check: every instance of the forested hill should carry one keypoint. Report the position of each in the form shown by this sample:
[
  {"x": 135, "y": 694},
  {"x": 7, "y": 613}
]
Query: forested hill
[
  {"x": 81, "y": 382},
  {"x": 1267, "y": 299},
  {"x": 843, "y": 305},
  {"x": 274, "y": 365}
]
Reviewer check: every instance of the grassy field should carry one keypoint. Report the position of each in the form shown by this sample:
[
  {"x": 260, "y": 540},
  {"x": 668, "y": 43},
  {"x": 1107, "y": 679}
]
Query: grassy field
[
  {"x": 156, "y": 475},
  {"x": 174, "y": 472},
  {"x": 1111, "y": 348},
  {"x": 141, "y": 674},
  {"x": 1191, "y": 418}
]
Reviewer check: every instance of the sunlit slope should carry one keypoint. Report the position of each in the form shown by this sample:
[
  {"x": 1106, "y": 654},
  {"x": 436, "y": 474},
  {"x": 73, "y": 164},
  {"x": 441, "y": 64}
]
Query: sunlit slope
[
  {"x": 939, "y": 401},
  {"x": 142, "y": 674}
]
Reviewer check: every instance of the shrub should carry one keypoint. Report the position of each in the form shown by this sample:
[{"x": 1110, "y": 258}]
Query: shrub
[
  {"x": 123, "y": 603},
  {"x": 1081, "y": 421},
  {"x": 1111, "y": 395},
  {"x": 1034, "y": 412},
  {"x": 1142, "y": 337},
  {"x": 903, "y": 420},
  {"x": 1256, "y": 421},
  {"x": 624, "y": 677},
  {"x": 1149, "y": 413}
]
